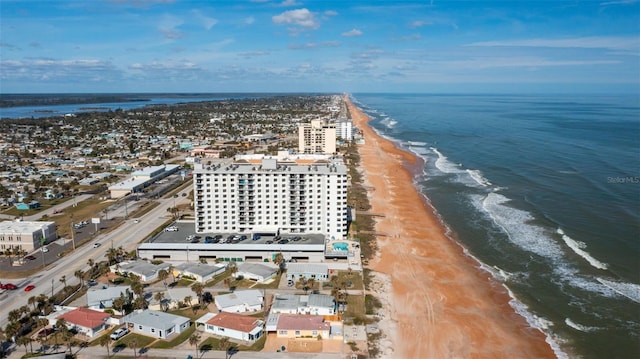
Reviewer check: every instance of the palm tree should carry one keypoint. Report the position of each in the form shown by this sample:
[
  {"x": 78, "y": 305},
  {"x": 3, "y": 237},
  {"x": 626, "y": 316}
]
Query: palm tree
[
  {"x": 311, "y": 283},
  {"x": 63, "y": 280},
  {"x": 279, "y": 261},
  {"x": 134, "y": 343},
  {"x": 163, "y": 275},
  {"x": 118, "y": 303},
  {"x": 91, "y": 263},
  {"x": 112, "y": 253},
  {"x": 223, "y": 344},
  {"x": 159, "y": 296},
  {"x": 24, "y": 341},
  {"x": 187, "y": 300},
  {"x": 193, "y": 340},
  {"x": 198, "y": 288},
  {"x": 32, "y": 301},
  {"x": 80, "y": 275},
  {"x": 170, "y": 269},
  {"x": 104, "y": 341}
]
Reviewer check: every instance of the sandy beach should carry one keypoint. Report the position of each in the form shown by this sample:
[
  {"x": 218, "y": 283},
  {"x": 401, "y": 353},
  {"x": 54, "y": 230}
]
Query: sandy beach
[{"x": 437, "y": 303}]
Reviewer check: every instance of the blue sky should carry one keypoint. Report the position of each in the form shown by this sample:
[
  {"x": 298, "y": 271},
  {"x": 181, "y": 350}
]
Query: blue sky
[{"x": 326, "y": 46}]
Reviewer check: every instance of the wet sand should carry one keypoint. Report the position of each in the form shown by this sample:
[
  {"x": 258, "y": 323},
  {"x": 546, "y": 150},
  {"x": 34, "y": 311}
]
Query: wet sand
[{"x": 439, "y": 304}]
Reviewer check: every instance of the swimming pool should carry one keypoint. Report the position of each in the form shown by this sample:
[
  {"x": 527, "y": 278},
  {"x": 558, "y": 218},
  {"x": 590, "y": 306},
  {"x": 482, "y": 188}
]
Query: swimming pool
[{"x": 340, "y": 246}]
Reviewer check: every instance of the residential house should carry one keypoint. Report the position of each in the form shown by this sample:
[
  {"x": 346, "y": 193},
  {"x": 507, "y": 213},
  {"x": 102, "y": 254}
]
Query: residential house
[
  {"x": 232, "y": 325},
  {"x": 255, "y": 271},
  {"x": 156, "y": 324},
  {"x": 302, "y": 326},
  {"x": 199, "y": 271},
  {"x": 315, "y": 304},
  {"x": 240, "y": 301},
  {"x": 86, "y": 321},
  {"x": 316, "y": 271},
  {"x": 101, "y": 298},
  {"x": 143, "y": 269}
]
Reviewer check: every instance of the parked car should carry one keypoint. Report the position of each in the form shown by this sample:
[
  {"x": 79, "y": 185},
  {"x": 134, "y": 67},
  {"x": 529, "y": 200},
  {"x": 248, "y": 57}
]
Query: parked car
[
  {"x": 256, "y": 237},
  {"x": 171, "y": 229},
  {"x": 30, "y": 258},
  {"x": 119, "y": 333},
  {"x": 29, "y": 288},
  {"x": 45, "y": 249}
]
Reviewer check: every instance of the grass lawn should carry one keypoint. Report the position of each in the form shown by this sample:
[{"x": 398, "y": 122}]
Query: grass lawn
[
  {"x": 213, "y": 343},
  {"x": 354, "y": 277},
  {"x": 355, "y": 306},
  {"x": 141, "y": 341},
  {"x": 181, "y": 338}
]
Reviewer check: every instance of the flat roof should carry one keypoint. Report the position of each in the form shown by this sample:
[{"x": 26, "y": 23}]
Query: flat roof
[{"x": 23, "y": 226}]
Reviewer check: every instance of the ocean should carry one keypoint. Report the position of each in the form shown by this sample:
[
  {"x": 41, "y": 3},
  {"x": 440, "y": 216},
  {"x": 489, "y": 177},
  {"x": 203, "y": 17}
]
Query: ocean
[{"x": 544, "y": 191}]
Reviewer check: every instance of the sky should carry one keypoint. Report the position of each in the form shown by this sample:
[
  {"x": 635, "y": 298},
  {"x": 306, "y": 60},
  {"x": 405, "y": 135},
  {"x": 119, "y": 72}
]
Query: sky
[{"x": 515, "y": 46}]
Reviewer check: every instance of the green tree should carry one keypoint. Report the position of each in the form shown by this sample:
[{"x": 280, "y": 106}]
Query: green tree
[
  {"x": 80, "y": 275},
  {"x": 105, "y": 340},
  {"x": 193, "y": 340},
  {"x": 163, "y": 275},
  {"x": 159, "y": 296},
  {"x": 198, "y": 288}
]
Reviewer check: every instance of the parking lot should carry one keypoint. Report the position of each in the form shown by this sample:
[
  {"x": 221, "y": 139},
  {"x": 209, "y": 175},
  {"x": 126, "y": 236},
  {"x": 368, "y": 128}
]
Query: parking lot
[{"x": 184, "y": 232}]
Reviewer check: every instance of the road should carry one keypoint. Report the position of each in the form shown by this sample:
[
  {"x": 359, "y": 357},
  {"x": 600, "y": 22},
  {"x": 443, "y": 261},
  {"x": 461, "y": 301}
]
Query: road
[{"x": 126, "y": 235}]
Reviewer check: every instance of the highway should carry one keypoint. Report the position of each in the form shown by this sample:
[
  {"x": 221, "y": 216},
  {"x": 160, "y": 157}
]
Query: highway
[{"x": 127, "y": 235}]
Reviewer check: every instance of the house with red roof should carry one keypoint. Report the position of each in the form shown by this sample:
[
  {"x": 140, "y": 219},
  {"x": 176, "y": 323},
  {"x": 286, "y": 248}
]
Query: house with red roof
[
  {"x": 302, "y": 326},
  {"x": 232, "y": 325},
  {"x": 86, "y": 321}
]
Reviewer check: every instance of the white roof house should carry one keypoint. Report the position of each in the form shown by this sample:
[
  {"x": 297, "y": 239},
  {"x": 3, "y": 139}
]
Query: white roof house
[
  {"x": 199, "y": 271},
  {"x": 101, "y": 298},
  {"x": 256, "y": 271},
  {"x": 315, "y": 304},
  {"x": 240, "y": 301},
  {"x": 156, "y": 324},
  {"x": 316, "y": 271},
  {"x": 145, "y": 270}
]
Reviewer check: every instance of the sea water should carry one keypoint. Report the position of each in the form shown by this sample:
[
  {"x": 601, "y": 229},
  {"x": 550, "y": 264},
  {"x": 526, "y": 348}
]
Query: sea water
[{"x": 544, "y": 191}]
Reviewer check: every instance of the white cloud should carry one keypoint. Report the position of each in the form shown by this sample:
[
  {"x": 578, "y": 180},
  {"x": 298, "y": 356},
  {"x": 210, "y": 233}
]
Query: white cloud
[
  {"x": 593, "y": 42},
  {"x": 250, "y": 20},
  {"x": 418, "y": 23},
  {"x": 207, "y": 22},
  {"x": 352, "y": 33},
  {"x": 331, "y": 13},
  {"x": 302, "y": 18},
  {"x": 289, "y": 3},
  {"x": 314, "y": 45}
]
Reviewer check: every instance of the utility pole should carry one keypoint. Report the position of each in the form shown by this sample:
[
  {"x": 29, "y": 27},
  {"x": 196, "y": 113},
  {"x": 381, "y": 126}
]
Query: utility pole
[
  {"x": 52, "y": 288},
  {"x": 73, "y": 237}
]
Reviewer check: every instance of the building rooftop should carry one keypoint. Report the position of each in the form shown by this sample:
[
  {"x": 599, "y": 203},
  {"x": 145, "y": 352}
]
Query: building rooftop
[
  {"x": 85, "y": 317},
  {"x": 26, "y": 227},
  {"x": 249, "y": 297},
  {"x": 302, "y": 322},
  {"x": 235, "y": 321},
  {"x": 155, "y": 319}
]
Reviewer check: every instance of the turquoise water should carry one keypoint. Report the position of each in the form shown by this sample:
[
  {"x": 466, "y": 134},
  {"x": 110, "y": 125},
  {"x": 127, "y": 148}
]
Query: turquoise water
[
  {"x": 545, "y": 192},
  {"x": 340, "y": 246}
]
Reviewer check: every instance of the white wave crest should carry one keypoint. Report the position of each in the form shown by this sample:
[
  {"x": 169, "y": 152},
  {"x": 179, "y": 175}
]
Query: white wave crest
[
  {"x": 578, "y": 248},
  {"x": 515, "y": 223},
  {"x": 580, "y": 327},
  {"x": 629, "y": 290},
  {"x": 477, "y": 176},
  {"x": 443, "y": 163},
  {"x": 536, "y": 322},
  {"x": 389, "y": 122},
  {"x": 416, "y": 143}
]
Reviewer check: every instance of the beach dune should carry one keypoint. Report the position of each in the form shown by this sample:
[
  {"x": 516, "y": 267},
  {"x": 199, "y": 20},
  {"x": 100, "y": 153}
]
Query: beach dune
[{"x": 440, "y": 304}]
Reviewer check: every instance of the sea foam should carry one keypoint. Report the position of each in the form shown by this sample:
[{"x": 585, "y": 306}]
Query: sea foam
[
  {"x": 515, "y": 223},
  {"x": 629, "y": 290},
  {"x": 477, "y": 176},
  {"x": 580, "y": 327},
  {"x": 443, "y": 163},
  {"x": 578, "y": 248}
]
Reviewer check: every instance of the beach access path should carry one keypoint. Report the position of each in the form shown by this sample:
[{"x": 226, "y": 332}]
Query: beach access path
[{"x": 437, "y": 302}]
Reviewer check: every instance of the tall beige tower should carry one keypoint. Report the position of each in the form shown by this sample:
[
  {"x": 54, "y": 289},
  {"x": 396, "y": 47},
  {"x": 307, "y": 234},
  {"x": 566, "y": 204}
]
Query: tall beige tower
[{"x": 319, "y": 136}]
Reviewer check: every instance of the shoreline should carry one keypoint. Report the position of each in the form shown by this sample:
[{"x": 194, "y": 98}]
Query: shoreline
[{"x": 439, "y": 302}]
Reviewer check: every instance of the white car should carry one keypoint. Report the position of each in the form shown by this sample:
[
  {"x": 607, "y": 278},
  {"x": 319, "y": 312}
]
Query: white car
[
  {"x": 96, "y": 245},
  {"x": 119, "y": 333},
  {"x": 171, "y": 229},
  {"x": 45, "y": 249},
  {"x": 136, "y": 221}
]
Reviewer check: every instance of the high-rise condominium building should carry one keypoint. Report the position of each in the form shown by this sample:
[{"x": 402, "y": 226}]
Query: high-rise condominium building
[
  {"x": 319, "y": 136},
  {"x": 280, "y": 194}
]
